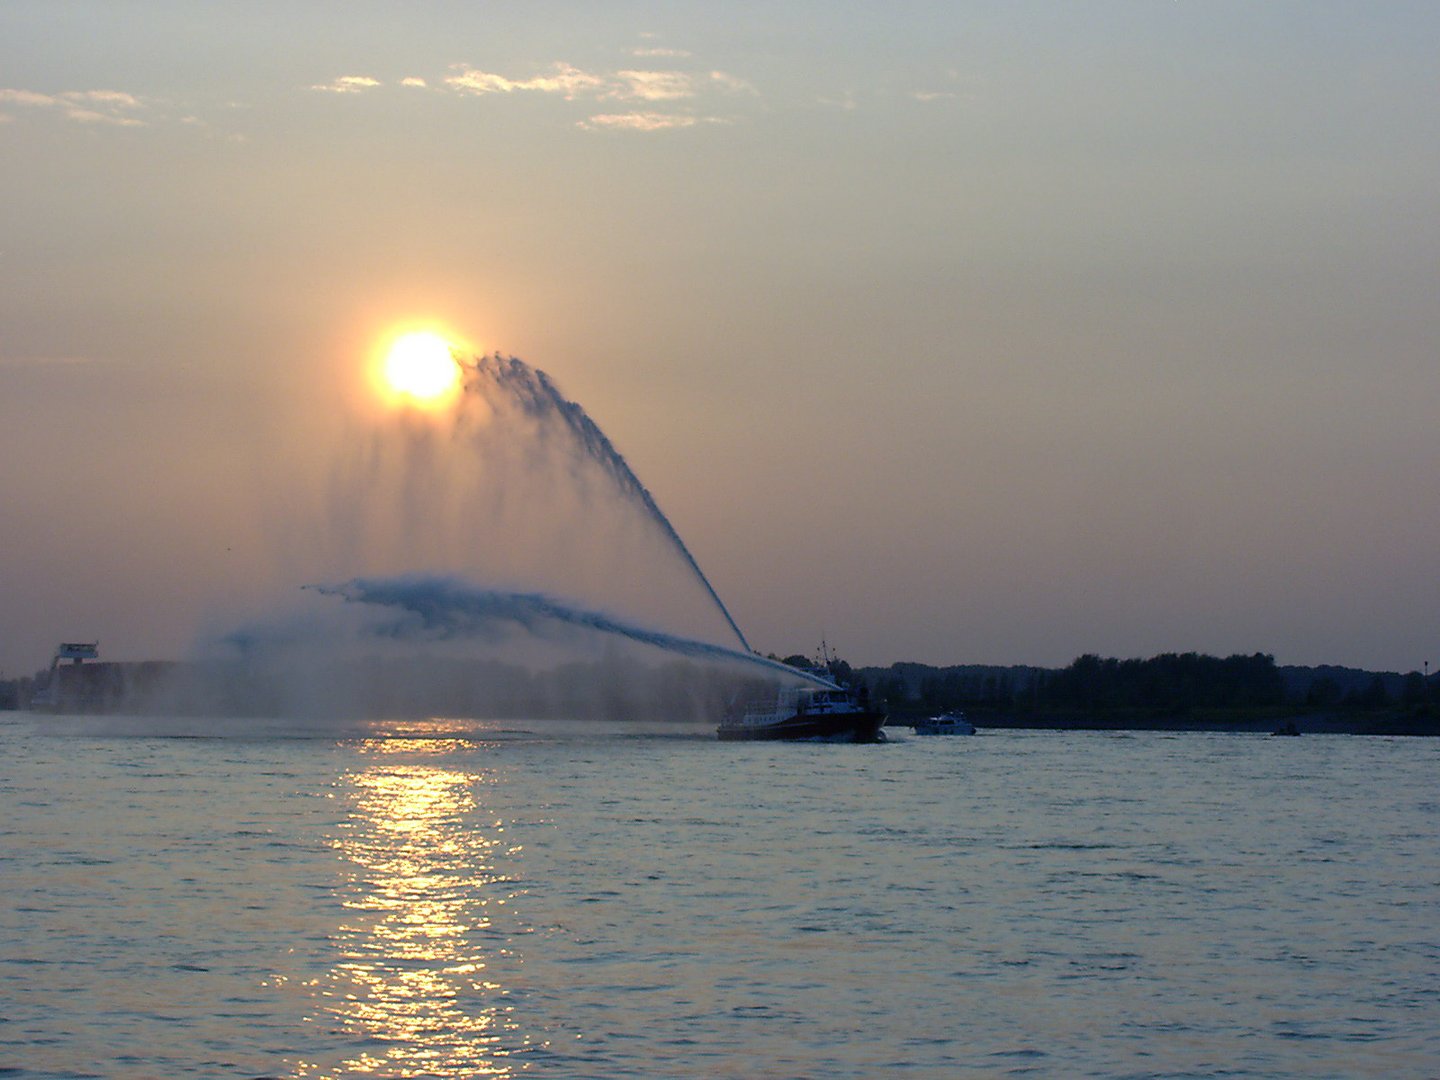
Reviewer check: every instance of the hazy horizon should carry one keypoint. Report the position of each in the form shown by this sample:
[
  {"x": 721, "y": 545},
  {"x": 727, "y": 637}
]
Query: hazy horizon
[{"x": 990, "y": 334}]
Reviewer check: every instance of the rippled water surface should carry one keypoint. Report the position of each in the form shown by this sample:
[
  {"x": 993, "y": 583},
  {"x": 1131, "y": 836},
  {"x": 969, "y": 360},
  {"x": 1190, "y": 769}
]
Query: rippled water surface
[{"x": 501, "y": 900}]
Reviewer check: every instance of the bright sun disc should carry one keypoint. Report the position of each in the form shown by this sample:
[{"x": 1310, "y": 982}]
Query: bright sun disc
[{"x": 421, "y": 366}]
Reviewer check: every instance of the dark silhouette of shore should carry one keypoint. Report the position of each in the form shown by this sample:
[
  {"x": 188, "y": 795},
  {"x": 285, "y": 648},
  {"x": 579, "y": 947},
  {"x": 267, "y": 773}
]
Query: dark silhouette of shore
[{"x": 1169, "y": 692}]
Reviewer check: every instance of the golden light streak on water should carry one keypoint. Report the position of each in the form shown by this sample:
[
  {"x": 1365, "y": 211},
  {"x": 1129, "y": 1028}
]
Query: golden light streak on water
[{"x": 409, "y": 979}]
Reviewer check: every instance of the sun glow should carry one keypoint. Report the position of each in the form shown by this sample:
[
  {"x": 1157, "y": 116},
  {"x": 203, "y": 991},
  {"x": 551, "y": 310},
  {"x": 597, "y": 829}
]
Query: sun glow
[{"x": 420, "y": 367}]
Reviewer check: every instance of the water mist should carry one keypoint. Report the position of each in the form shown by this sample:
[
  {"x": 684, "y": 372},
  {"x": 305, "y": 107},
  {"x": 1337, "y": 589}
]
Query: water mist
[{"x": 431, "y": 519}]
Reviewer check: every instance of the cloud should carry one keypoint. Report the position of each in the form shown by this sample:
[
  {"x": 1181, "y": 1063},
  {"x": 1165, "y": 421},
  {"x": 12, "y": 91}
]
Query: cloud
[
  {"x": 27, "y": 97},
  {"x": 656, "y": 51},
  {"x": 639, "y": 121},
  {"x": 474, "y": 81},
  {"x": 572, "y": 83},
  {"x": 638, "y": 85},
  {"x": 564, "y": 79},
  {"x": 655, "y": 85},
  {"x": 964, "y": 88},
  {"x": 90, "y": 116},
  {"x": 116, "y": 98},
  {"x": 733, "y": 84},
  {"x": 114, "y": 108},
  {"x": 82, "y": 106},
  {"x": 348, "y": 84}
]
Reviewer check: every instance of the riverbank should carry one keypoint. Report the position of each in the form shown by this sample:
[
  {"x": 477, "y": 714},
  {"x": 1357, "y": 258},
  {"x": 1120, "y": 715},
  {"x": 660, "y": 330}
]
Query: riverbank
[{"x": 1240, "y": 721}]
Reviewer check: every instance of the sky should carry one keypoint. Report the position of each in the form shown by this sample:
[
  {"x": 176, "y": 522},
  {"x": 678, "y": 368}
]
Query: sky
[{"x": 954, "y": 333}]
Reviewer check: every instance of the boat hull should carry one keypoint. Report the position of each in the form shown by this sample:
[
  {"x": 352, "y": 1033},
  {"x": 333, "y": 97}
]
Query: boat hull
[
  {"x": 932, "y": 729},
  {"x": 856, "y": 727}
]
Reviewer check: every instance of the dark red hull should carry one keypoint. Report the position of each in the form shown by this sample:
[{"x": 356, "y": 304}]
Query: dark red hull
[{"x": 858, "y": 727}]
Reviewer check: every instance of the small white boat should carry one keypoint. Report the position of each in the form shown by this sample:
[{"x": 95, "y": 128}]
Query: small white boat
[{"x": 950, "y": 723}]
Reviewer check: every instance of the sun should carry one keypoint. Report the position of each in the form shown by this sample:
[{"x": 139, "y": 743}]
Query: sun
[{"x": 421, "y": 367}]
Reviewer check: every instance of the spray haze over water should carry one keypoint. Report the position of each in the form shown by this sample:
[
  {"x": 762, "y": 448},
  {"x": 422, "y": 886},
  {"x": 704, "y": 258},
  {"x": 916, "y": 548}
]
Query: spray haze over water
[
  {"x": 511, "y": 378},
  {"x": 507, "y": 527},
  {"x": 448, "y": 609}
]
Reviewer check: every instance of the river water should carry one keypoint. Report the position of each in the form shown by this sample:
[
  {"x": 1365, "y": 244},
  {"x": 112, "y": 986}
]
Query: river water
[{"x": 467, "y": 899}]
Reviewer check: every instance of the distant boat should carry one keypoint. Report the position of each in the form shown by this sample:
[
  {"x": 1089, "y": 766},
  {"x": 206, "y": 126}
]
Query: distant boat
[
  {"x": 950, "y": 723},
  {"x": 48, "y": 696}
]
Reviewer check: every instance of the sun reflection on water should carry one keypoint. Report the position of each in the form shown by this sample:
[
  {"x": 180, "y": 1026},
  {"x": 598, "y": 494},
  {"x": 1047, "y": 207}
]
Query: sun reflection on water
[{"x": 411, "y": 987}]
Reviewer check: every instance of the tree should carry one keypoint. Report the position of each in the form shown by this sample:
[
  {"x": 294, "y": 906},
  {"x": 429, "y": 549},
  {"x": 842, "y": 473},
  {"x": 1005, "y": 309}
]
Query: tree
[
  {"x": 1373, "y": 696},
  {"x": 1412, "y": 690},
  {"x": 1323, "y": 693}
]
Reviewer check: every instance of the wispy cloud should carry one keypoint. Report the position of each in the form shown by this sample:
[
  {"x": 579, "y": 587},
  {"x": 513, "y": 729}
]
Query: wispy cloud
[
  {"x": 82, "y": 106},
  {"x": 117, "y": 98},
  {"x": 963, "y": 88},
  {"x": 733, "y": 84},
  {"x": 846, "y": 101},
  {"x": 639, "y": 85},
  {"x": 28, "y": 97},
  {"x": 655, "y": 85},
  {"x": 572, "y": 83},
  {"x": 348, "y": 84},
  {"x": 638, "y": 121},
  {"x": 564, "y": 79},
  {"x": 660, "y": 52},
  {"x": 199, "y": 124}
]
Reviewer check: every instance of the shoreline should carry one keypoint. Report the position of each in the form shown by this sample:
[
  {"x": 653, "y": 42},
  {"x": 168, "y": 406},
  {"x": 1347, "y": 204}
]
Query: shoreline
[{"x": 1306, "y": 723}]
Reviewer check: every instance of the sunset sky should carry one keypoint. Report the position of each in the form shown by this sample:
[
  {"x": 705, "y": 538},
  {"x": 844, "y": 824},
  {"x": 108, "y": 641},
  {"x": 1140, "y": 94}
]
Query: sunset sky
[{"x": 972, "y": 332}]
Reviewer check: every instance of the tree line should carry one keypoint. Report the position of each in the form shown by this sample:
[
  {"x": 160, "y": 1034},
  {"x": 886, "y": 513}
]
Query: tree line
[{"x": 1171, "y": 684}]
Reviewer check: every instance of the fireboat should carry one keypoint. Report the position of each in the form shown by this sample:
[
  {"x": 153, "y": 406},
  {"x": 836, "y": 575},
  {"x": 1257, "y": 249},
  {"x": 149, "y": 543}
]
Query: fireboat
[{"x": 826, "y": 712}]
